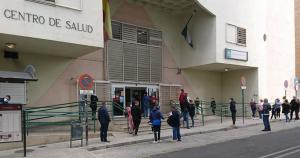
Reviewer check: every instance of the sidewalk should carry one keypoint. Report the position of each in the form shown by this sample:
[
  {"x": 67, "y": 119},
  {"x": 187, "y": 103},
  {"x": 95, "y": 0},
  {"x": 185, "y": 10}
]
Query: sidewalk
[{"x": 119, "y": 139}]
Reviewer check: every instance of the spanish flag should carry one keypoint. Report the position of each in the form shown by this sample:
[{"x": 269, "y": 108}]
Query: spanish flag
[{"x": 106, "y": 20}]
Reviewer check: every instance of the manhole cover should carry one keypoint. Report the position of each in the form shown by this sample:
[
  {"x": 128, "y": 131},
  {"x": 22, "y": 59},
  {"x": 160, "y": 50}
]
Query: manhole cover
[{"x": 21, "y": 151}]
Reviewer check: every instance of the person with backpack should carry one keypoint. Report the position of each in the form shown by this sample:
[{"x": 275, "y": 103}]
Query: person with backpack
[
  {"x": 155, "y": 119},
  {"x": 174, "y": 122},
  {"x": 192, "y": 111},
  {"x": 266, "y": 114},
  {"x": 232, "y": 106}
]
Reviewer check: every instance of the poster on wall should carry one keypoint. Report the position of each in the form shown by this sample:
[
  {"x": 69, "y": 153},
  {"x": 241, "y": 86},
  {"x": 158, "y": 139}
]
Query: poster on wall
[{"x": 10, "y": 123}]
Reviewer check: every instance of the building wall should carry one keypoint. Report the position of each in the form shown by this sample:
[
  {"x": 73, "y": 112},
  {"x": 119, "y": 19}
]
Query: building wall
[
  {"x": 297, "y": 36},
  {"x": 91, "y": 14}
]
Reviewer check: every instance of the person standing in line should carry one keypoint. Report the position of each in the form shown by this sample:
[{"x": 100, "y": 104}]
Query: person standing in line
[
  {"x": 286, "y": 107},
  {"x": 174, "y": 122},
  {"x": 297, "y": 109},
  {"x": 181, "y": 99},
  {"x": 192, "y": 112},
  {"x": 266, "y": 115},
  {"x": 155, "y": 119},
  {"x": 129, "y": 118},
  {"x": 278, "y": 107},
  {"x": 146, "y": 105},
  {"x": 293, "y": 104},
  {"x": 253, "y": 107},
  {"x": 104, "y": 120},
  {"x": 213, "y": 106},
  {"x": 260, "y": 108},
  {"x": 185, "y": 112},
  {"x": 197, "y": 104},
  {"x": 273, "y": 110},
  {"x": 232, "y": 106},
  {"x": 136, "y": 116}
]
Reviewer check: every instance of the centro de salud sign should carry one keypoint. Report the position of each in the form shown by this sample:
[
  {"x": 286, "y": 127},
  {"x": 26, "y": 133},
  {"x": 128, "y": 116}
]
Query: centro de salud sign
[
  {"x": 43, "y": 20},
  {"x": 236, "y": 55}
]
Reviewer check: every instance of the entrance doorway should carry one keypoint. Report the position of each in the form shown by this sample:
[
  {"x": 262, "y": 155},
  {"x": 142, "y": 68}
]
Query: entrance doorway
[{"x": 124, "y": 94}]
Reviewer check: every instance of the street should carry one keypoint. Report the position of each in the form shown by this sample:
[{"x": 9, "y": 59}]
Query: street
[{"x": 270, "y": 145}]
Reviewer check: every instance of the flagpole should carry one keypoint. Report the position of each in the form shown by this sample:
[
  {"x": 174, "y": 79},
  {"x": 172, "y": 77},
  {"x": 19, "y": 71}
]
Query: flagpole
[{"x": 194, "y": 12}]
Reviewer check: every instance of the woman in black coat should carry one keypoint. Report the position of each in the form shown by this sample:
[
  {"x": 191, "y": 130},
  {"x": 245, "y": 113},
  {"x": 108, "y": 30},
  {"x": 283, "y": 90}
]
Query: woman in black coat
[
  {"x": 286, "y": 107},
  {"x": 136, "y": 116}
]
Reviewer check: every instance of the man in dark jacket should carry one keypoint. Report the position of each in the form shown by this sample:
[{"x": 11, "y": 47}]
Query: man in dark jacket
[
  {"x": 213, "y": 106},
  {"x": 136, "y": 116},
  {"x": 266, "y": 114},
  {"x": 293, "y": 107},
  {"x": 175, "y": 119},
  {"x": 233, "y": 110},
  {"x": 185, "y": 111},
  {"x": 192, "y": 112},
  {"x": 93, "y": 105},
  {"x": 104, "y": 120}
]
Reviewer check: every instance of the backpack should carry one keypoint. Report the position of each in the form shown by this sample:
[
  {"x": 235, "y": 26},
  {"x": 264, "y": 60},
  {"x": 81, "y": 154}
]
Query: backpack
[{"x": 171, "y": 121}]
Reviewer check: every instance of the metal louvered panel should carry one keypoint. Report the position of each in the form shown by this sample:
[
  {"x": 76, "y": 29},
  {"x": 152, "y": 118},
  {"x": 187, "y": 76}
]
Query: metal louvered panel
[
  {"x": 129, "y": 33},
  {"x": 103, "y": 91},
  {"x": 115, "y": 60},
  {"x": 143, "y": 64},
  {"x": 241, "y": 36},
  {"x": 155, "y": 37},
  {"x": 130, "y": 61},
  {"x": 156, "y": 63},
  {"x": 116, "y": 30}
]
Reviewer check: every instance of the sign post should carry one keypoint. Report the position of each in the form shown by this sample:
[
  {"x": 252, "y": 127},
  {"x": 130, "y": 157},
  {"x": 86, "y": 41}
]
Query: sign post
[
  {"x": 286, "y": 84},
  {"x": 243, "y": 87}
]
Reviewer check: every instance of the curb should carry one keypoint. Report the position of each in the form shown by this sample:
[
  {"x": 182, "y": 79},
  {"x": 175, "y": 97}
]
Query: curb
[{"x": 170, "y": 136}]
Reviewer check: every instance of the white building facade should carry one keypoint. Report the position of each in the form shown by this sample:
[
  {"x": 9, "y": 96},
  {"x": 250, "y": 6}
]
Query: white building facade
[{"x": 64, "y": 39}]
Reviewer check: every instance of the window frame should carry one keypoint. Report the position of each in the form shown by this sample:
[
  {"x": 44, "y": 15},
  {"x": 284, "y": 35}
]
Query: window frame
[{"x": 237, "y": 35}]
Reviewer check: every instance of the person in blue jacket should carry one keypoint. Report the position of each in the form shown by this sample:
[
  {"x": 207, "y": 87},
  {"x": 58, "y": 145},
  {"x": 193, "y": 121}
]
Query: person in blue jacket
[
  {"x": 104, "y": 120},
  {"x": 155, "y": 119}
]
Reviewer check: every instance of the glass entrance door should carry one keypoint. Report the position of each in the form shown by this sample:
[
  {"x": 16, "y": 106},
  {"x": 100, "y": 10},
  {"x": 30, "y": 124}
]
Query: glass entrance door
[{"x": 118, "y": 97}]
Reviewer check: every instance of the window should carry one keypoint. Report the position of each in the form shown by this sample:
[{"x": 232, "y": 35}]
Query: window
[
  {"x": 236, "y": 35},
  {"x": 142, "y": 36}
]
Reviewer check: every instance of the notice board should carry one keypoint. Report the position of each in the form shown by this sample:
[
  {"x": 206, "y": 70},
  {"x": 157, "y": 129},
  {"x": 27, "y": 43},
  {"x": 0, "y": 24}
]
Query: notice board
[{"x": 10, "y": 123}]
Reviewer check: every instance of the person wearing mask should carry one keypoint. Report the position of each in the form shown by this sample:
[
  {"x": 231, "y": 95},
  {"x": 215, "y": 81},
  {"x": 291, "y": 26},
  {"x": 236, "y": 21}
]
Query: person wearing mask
[
  {"x": 174, "y": 122},
  {"x": 192, "y": 112},
  {"x": 232, "y": 106},
  {"x": 253, "y": 107},
  {"x": 104, "y": 120},
  {"x": 213, "y": 106},
  {"x": 136, "y": 116},
  {"x": 146, "y": 105},
  {"x": 5, "y": 100},
  {"x": 286, "y": 107},
  {"x": 293, "y": 104},
  {"x": 155, "y": 119},
  {"x": 266, "y": 114}
]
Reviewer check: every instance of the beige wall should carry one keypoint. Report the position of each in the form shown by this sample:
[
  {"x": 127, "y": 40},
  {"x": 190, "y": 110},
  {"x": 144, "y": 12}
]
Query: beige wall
[{"x": 297, "y": 36}]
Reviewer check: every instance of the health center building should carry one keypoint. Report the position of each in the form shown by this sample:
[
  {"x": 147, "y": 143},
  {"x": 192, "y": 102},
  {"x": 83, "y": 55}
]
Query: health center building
[{"x": 158, "y": 47}]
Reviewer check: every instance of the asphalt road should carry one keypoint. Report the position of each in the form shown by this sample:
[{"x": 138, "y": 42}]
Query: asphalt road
[{"x": 270, "y": 145}]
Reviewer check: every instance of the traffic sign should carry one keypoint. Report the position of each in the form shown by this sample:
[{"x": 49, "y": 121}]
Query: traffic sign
[
  {"x": 86, "y": 82},
  {"x": 286, "y": 84}
]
